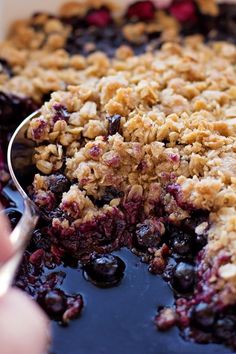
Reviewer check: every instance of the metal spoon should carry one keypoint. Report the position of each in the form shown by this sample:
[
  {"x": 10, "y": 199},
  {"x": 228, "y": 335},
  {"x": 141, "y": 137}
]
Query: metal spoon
[{"x": 19, "y": 159}]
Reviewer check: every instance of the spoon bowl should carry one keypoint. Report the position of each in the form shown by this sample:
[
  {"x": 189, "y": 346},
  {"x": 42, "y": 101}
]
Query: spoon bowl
[
  {"x": 20, "y": 164},
  {"x": 20, "y": 156}
]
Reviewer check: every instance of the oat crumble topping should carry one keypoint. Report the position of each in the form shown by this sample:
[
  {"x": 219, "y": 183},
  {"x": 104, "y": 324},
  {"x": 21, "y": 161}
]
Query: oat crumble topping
[{"x": 177, "y": 121}]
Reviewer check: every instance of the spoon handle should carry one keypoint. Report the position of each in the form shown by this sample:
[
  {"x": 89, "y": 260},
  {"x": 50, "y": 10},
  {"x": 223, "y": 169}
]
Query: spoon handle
[{"x": 19, "y": 238}]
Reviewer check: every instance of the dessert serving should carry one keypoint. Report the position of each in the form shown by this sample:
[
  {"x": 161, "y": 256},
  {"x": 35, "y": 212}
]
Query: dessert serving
[{"x": 135, "y": 147}]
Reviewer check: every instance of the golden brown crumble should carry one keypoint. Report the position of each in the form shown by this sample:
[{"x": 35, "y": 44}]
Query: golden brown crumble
[
  {"x": 208, "y": 7},
  {"x": 41, "y": 64}
]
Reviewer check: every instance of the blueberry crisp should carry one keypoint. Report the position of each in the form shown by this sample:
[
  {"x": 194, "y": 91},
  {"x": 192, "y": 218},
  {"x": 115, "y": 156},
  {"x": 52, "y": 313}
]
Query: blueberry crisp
[{"x": 135, "y": 147}]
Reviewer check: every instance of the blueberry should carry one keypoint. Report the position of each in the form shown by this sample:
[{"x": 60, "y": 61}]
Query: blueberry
[
  {"x": 183, "y": 277},
  {"x": 181, "y": 243},
  {"x": 54, "y": 302},
  {"x": 58, "y": 183},
  {"x": 203, "y": 316},
  {"x": 113, "y": 124},
  {"x": 109, "y": 194},
  {"x": 104, "y": 270},
  {"x": 146, "y": 237},
  {"x": 224, "y": 328}
]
